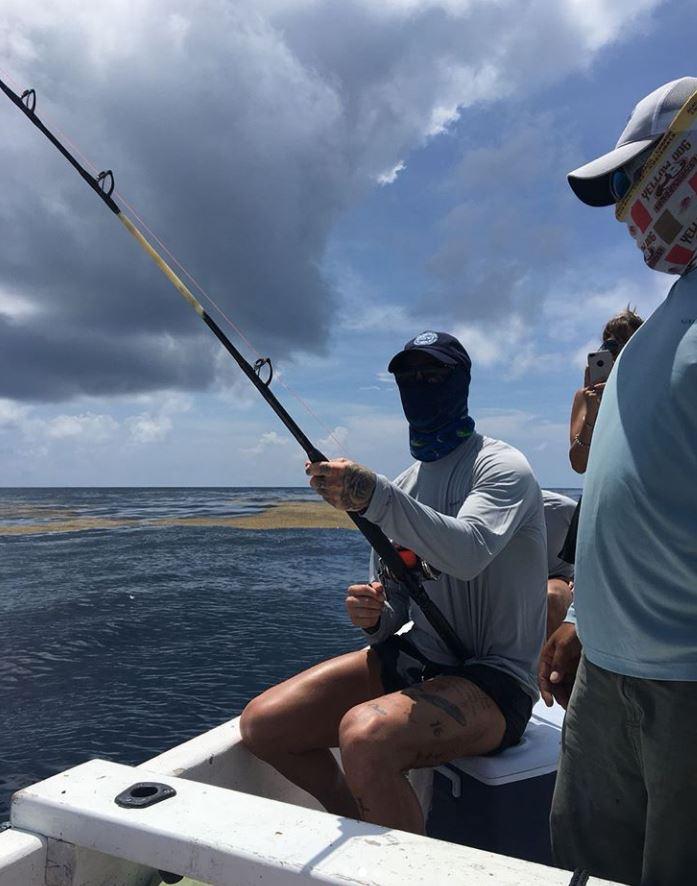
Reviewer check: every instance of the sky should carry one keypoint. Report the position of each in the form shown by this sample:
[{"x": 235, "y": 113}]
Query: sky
[{"x": 337, "y": 177}]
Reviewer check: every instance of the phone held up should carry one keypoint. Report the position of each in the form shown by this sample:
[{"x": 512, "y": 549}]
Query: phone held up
[{"x": 599, "y": 366}]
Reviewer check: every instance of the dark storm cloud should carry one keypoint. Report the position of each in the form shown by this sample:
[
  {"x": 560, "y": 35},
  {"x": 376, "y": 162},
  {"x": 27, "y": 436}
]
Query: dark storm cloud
[
  {"x": 240, "y": 131},
  {"x": 58, "y": 364},
  {"x": 228, "y": 147}
]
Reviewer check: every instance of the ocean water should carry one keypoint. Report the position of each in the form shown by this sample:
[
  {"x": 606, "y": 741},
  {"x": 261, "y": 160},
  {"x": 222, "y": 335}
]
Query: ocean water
[{"x": 124, "y": 631}]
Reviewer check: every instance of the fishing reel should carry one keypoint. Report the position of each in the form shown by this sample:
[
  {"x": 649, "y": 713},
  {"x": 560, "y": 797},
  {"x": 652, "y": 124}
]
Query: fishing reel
[{"x": 418, "y": 567}]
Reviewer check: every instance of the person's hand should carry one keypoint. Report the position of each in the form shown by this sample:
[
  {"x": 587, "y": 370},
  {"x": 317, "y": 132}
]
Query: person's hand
[
  {"x": 559, "y": 596},
  {"x": 558, "y": 665},
  {"x": 592, "y": 395},
  {"x": 364, "y": 604},
  {"x": 346, "y": 485}
]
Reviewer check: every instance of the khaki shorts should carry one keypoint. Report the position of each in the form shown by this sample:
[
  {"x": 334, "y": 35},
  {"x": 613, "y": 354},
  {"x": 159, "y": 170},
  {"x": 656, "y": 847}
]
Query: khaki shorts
[{"x": 625, "y": 803}]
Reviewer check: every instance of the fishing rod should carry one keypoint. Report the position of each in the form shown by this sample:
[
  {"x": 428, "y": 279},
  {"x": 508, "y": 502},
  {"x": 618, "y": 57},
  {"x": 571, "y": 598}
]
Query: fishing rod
[{"x": 400, "y": 566}]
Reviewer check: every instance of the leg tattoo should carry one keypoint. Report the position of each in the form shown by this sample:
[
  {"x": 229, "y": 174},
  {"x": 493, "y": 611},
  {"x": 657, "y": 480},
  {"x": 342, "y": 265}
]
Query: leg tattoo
[{"x": 451, "y": 709}]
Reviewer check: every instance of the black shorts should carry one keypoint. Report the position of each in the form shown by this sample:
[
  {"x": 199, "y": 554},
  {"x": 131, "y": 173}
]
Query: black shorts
[{"x": 402, "y": 666}]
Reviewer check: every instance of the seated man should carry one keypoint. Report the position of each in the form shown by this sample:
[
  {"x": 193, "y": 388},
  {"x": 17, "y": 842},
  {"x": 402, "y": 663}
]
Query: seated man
[
  {"x": 559, "y": 509},
  {"x": 471, "y": 508}
]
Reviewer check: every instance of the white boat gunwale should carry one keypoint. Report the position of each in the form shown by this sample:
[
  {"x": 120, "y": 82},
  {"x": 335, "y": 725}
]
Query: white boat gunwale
[{"x": 83, "y": 841}]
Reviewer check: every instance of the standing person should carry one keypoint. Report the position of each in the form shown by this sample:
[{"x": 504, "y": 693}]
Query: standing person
[
  {"x": 471, "y": 508},
  {"x": 626, "y": 797},
  {"x": 584, "y": 411}
]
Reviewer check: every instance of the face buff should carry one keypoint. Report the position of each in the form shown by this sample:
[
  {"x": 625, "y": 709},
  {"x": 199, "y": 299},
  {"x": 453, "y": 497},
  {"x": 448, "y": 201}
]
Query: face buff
[
  {"x": 437, "y": 414},
  {"x": 660, "y": 209}
]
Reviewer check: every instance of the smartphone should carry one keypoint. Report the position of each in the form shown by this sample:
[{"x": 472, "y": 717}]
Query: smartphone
[{"x": 599, "y": 366}]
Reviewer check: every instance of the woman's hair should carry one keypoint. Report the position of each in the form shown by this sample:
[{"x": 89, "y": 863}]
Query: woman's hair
[{"x": 622, "y": 326}]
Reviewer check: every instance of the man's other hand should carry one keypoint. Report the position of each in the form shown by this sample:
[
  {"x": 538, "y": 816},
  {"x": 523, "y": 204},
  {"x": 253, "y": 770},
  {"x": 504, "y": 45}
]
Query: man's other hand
[
  {"x": 559, "y": 596},
  {"x": 364, "y": 604},
  {"x": 558, "y": 665},
  {"x": 346, "y": 485}
]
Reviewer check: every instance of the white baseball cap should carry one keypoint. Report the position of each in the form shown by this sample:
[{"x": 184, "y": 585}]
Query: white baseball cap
[{"x": 648, "y": 121}]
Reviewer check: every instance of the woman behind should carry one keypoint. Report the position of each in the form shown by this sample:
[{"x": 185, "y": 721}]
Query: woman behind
[{"x": 617, "y": 332}]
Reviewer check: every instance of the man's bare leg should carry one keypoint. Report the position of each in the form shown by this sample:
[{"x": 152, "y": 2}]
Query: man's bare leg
[
  {"x": 293, "y": 725},
  {"x": 425, "y": 725}
]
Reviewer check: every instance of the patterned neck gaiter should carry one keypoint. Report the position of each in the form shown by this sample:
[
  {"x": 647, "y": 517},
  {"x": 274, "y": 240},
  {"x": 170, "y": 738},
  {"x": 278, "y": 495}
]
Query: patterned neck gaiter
[
  {"x": 432, "y": 445},
  {"x": 437, "y": 414},
  {"x": 660, "y": 209}
]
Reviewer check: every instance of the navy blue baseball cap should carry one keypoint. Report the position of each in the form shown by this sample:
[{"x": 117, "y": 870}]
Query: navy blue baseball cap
[{"x": 440, "y": 345}]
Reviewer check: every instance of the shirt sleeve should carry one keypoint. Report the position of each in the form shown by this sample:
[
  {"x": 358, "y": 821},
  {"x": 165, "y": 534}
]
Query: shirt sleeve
[
  {"x": 571, "y": 615},
  {"x": 396, "y": 611},
  {"x": 462, "y": 546},
  {"x": 557, "y": 520}
]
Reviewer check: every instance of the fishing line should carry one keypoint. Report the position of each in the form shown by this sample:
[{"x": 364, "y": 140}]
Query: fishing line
[
  {"x": 306, "y": 406},
  {"x": 260, "y": 375}
]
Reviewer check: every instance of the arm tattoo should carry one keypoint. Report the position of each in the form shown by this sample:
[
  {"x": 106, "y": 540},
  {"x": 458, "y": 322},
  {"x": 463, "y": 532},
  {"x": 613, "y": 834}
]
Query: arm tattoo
[{"x": 358, "y": 487}]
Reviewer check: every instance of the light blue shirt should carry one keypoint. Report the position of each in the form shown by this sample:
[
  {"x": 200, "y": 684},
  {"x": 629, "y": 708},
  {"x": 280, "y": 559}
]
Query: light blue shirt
[{"x": 636, "y": 560}]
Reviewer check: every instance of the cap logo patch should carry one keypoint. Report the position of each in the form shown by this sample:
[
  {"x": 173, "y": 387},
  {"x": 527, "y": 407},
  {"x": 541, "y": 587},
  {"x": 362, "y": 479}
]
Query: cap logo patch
[{"x": 425, "y": 339}]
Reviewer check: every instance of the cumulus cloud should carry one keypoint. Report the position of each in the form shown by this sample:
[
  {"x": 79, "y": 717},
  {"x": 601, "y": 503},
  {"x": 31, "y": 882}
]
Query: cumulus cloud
[
  {"x": 14, "y": 307},
  {"x": 333, "y": 444},
  {"x": 543, "y": 440},
  {"x": 570, "y": 311},
  {"x": 154, "y": 424},
  {"x": 510, "y": 348},
  {"x": 390, "y": 177},
  {"x": 242, "y": 131},
  {"x": 148, "y": 428},
  {"x": 269, "y": 440},
  {"x": 11, "y": 414},
  {"x": 86, "y": 426},
  {"x": 487, "y": 349}
]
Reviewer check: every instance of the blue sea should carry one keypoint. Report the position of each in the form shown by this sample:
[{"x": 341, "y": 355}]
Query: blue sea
[{"x": 124, "y": 632}]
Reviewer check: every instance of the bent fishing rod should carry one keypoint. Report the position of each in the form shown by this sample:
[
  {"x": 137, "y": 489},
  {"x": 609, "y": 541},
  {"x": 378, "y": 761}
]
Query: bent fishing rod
[{"x": 401, "y": 568}]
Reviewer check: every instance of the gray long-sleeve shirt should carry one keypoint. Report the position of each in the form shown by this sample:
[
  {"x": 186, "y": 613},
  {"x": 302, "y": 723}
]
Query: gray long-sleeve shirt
[
  {"x": 559, "y": 509},
  {"x": 477, "y": 516}
]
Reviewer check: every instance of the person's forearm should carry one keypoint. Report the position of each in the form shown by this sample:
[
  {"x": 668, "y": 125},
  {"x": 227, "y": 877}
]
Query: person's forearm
[
  {"x": 559, "y": 597},
  {"x": 580, "y": 432},
  {"x": 580, "y": 448},
  {"x": 578, "y": 458}
]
